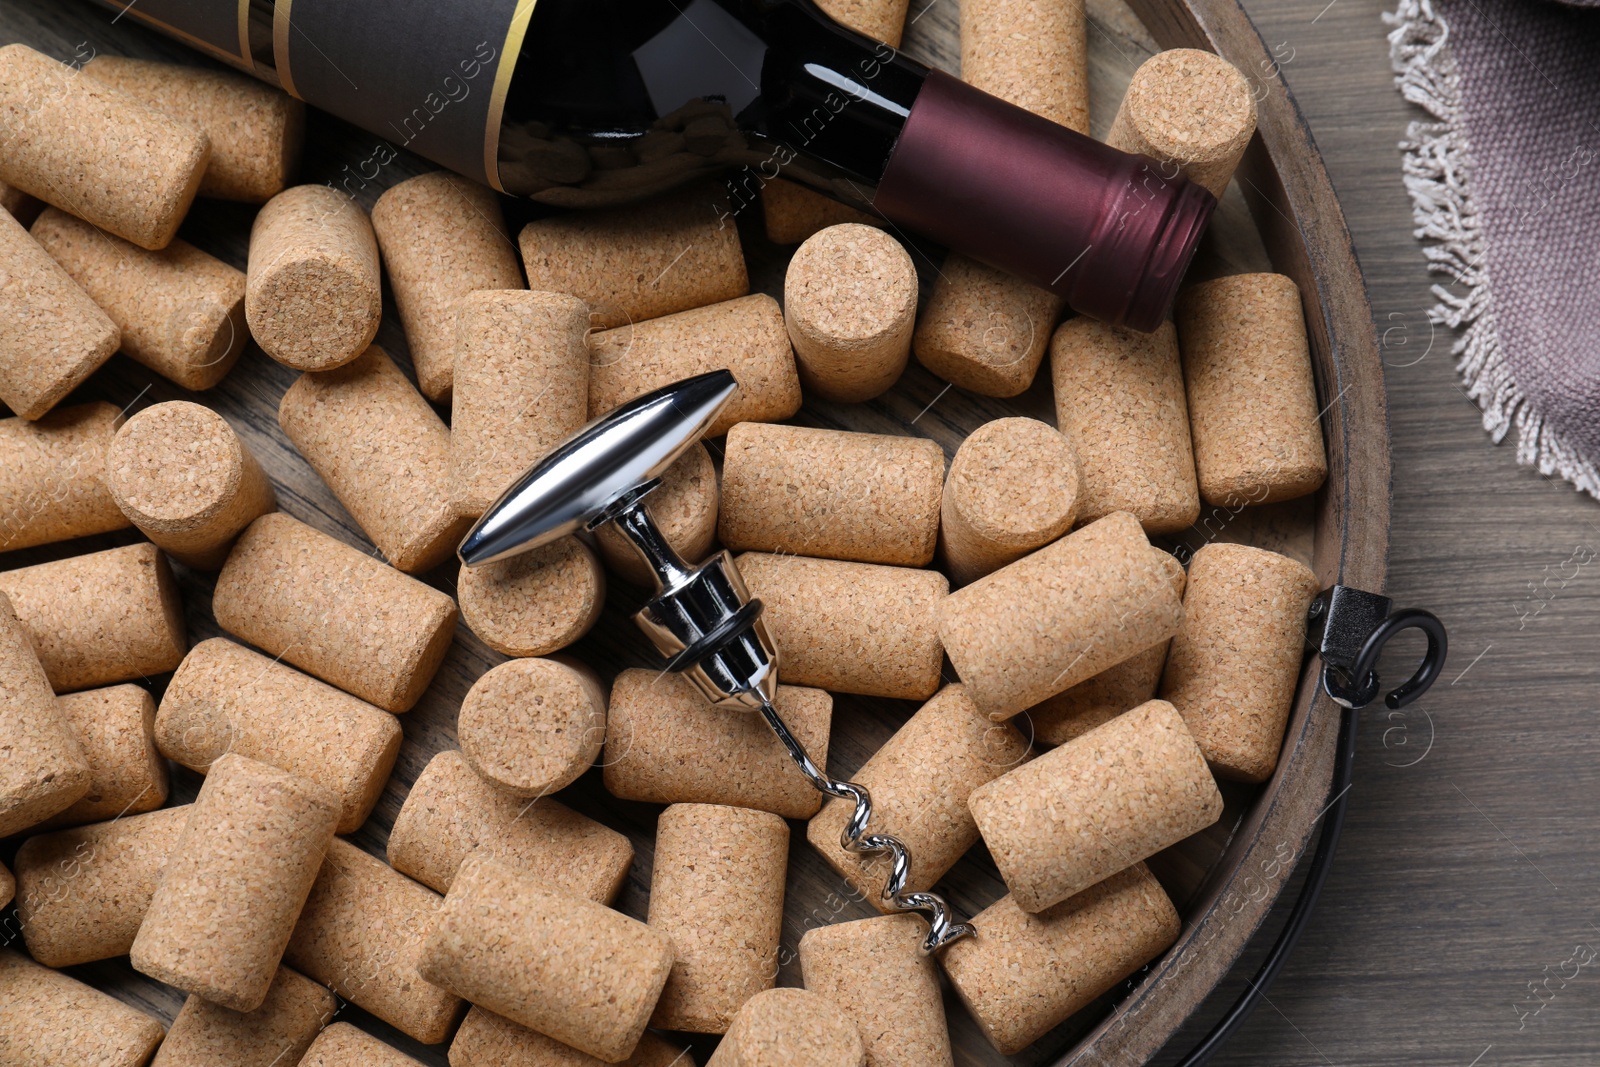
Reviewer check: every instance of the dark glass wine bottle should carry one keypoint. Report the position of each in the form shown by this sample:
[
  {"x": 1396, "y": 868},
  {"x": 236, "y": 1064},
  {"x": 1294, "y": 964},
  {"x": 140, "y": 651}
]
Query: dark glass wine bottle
[{"x": 587, "y": 103}]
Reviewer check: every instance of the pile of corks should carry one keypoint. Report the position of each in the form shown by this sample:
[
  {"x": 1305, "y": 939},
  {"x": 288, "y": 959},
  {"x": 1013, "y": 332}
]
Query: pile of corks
[{"x": 1064, "y": 617}]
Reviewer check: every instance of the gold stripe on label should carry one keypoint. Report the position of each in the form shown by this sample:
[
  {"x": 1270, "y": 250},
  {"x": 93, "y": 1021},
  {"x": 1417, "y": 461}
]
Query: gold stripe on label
[
  {"x": 244, "y": 35},
  {"x": 128, "y": 7},
  {"x": 502, "y": 85},
  {"x": 280, "y": 46}
]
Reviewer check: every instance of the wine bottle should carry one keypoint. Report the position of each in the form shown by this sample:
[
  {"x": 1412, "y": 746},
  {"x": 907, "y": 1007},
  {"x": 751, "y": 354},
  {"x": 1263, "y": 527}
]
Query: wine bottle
[{"x": 581, "y": 103}]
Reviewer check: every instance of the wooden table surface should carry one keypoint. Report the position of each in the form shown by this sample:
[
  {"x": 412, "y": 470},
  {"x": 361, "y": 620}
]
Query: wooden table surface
[{"x": 1449, "y": 929}]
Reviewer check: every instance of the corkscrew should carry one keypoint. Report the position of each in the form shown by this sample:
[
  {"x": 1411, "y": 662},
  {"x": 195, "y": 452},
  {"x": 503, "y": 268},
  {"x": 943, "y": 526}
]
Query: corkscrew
[{"x": 702, "y": 617}]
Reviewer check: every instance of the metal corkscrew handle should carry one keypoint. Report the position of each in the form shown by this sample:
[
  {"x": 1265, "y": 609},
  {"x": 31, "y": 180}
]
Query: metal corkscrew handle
[{"x": 702, "y": 618}]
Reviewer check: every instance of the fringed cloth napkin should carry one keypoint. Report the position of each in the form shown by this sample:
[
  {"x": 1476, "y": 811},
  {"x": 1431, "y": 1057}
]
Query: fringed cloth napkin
[{"x": 1505, "y": 185}]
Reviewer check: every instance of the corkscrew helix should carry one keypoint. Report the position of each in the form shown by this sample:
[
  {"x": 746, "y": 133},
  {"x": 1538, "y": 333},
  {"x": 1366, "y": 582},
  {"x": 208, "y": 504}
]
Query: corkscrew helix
[{"x": 702, "y": 617}]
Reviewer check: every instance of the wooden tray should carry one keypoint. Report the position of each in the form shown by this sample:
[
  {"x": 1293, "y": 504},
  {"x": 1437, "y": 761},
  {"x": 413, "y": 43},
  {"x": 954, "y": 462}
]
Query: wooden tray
[{"x": 1281, "y": 215}]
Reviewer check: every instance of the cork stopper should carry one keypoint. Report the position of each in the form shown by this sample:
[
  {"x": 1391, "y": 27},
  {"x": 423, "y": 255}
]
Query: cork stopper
[
  {"x": 255, "y": 130},
  {"x": 535, "y": 603},
  {"x": 1252, "y": 396},
  {"x": 342, "y": 1045},
  {"x": 383, "y": 451},
  {"x": 442, "y": 237},
  {"x": 791, "y": 212},
  {"x": 226, "y": 698},
  {"x": 745, "y": 336},
  {"x": 849, "y": 303},
  {"x": 52, "y": 476},
  {"x": 45, "y": 768},
  {"x": 521, "y": 387},
  {"x": 181, "y": 474},
  {"x": 115, "y": 728},
  {"x": 48, "y": 1017},
  {"x": 1012, "y": 487},
  {"x": 180, "y": 310},
  {"x": 74, "y": 912},
  {"x": 1025, "y": 974},
  {"x": 851, "y": 627},
  {"x": 1032, "y": 53},
  {"x": 106, "y": 617},
  {"x": 451, "y": 812},
  {"x": 790, "y": 1028},
  {"x": 94, "y": 152},
  {"x": 278, "y": 1032},
  {"x": 983, "y": 329},
  {"x": 312, "y": 294},
  {"x": 640, "y": 262},
  {"x": 882, "y": 20},
  {"x": 57, "y": 337},
  {"x": 489, "y": 1040},
  {"x": 1192, "y": 111},
  {"x": 1102, "y": 802},
  {"x": 360, "y": 934},
  {"x": 1120, "y": 401},
  {"x": 532, "y": 726},
  {"x": 919, "y": 781},
  {"x": 8, "y": 886},
  {"x": 875, "y": 971},
  {"x": 566, "y": 967},
  {"x": 1234, "y": 665},
  {"x": 235, "y": 883},
  {"x": 1062, "y": 614},
  {"x": 667, "y": 744},
  {"x": 684, "y": 509}
]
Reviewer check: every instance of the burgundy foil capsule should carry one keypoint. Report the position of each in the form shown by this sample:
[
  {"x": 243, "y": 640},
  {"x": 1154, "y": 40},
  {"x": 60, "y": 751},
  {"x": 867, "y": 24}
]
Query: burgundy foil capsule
[{"x": 1106, "y": 231}]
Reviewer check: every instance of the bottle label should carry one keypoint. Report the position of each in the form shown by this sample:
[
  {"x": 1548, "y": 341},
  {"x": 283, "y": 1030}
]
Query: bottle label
[{"x": 219, "y": 28}]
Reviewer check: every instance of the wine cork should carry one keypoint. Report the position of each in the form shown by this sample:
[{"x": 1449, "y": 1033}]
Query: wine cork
[
  {"x": 361, "y": 935},
  {"x": 52, "y": 476},
  {"x": 22, "y": 207},
  {"x": 566, "y": 967},
  {"x": 489, "y": 1040},
  {"x": 1024, "y": 974},
  {"x": 1252, "y": 398},
  {"x": 180, "y": 310},
  {"x": 919, "y": 781},
  {"x": 55, "y": 337},
  {"x": 450, "y": 812},
  {"x": 1074, "y": 712},
  {"x": 1084, "y": 811},
  {"x": 1032, "y": 53},
  {"x": 534, "y": 603},
  {"x": 851, "y": 627},
  {"x": 684, "y": 509},
  {"x": 1192, "y": 111},
  {"x": 874, "y": 969},
  {"x": 849, "y": 303},
  {"x": 629, "y": 264},
  {"x": 49, "y": 1018},
  {"x": 872, "y": 498},
  {"x": 45, "y": 768},
  {"x": 532, "y": 726},
  {"x": 94, "y": 152},
  {"x": 383, "y": 451},
  {"x": 983, "y": 329},
  {"x": 277, "y": 1033},
  {"x": 101, "y": 618},
  {"x": 667, "y": 744},
  {"x": 521, "y": 387},
  {"x": 115, "y": 729},
  {"x": 235, "y": 883},
  {"x": 791, "y": 212},
  {"x": 82, "y": 893},
  {"x": 312, "y": 294},
  {"x": 882, "y": 20},
  {"x": 790, "y": 1028},
  {"x": 333, "y": 611},
  {"x": 442, "y": 237},
  {"x": 745, "y": 336},
  {"x": 8, "y": 886},
  {"x": 1012, "y": 487},
  {"x": 342, "y": 1045},
  {"x": 1234, "y": 665},
  {"x": 1060, "y": 615},
  {"x": 226, "y": 698},
  {"x": 1120, "y": 401},
  {"x": 716, "y": 889},
  {"x": 255, "y": 131},
  {"x": 182, "y": 475}
]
